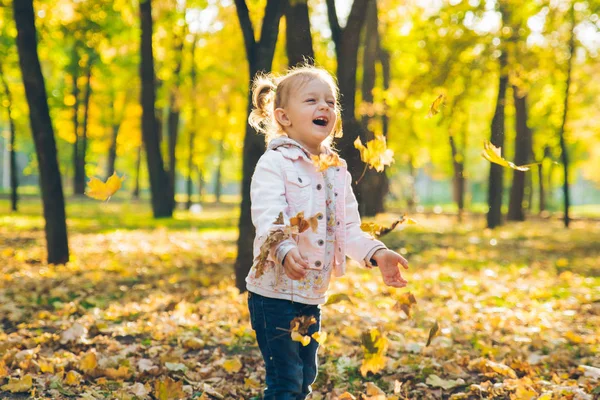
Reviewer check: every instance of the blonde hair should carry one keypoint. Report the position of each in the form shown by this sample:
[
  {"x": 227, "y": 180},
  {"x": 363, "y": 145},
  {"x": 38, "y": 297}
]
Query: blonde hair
[{"x": 270, "y": 92}]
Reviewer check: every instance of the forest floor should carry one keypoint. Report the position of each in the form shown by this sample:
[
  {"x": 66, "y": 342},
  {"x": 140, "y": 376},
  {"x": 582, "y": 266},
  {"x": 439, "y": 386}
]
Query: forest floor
[{"x": 148, "y": 309}]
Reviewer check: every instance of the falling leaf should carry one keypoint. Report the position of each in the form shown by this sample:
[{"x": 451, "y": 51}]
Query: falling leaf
[
  {"x": 338, "y": 297},
  {"x": 375, "y": 154},
  {"x": 374, "y": 345},
  {"x": 324, "y": 161},
  {"x": 405, "y": 303},
  {"x": 436, "y": 105},
  {"x": 378, "y": 231},
  {"x": 320, "y": 337},
  {"x": 493, "y": 154},
  {"x": 232, "y": 365},
  {"x": 432, "y": 332},
  {"x": 436, "y": 381},
  {"x": 297, "y": 337},
  {"x": 19, "y": 385},
  {"x": 103, "y": 191},
  {"x": 168, "y": 389},
  {"x": 303, "y": 224}
]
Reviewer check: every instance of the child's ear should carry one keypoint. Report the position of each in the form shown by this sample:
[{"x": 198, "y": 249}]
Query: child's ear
[{"x": 281, "y": 117}]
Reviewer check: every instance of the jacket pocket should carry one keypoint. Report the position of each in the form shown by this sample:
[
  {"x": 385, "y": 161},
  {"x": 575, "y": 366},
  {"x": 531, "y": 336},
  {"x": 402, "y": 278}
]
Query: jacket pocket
[{"x": 298, "y": 189}]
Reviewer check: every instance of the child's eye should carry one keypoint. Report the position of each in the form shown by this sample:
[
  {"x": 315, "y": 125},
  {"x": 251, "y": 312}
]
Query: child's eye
[
  {"x": 310, "y": 100},
  {"x": 331, "y": 103}
]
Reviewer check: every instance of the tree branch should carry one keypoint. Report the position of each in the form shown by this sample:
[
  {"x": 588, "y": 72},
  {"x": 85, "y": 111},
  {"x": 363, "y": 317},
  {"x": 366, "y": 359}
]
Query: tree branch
[
  {"x": 334, "y": 23},
  {"x": 356, "y": 19},
  {"x": 270, "y": 28},
  {"x": 246, "y": 25}
]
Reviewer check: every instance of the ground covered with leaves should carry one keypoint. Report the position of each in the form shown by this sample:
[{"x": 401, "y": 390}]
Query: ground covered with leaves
[{"x": 148, "y": 310}]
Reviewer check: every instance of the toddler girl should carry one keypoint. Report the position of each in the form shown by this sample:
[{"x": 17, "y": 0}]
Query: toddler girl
[{"x": 299, "y": 115}]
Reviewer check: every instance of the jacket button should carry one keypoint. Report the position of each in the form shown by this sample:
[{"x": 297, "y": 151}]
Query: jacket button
[
  {"x": 319, "y": 216},
  {"x": 336, "y": 193},
  {"x": 320, "y": 242},
  {"x": 299, "y": 179},
  {"x": 319, "y": 186},
  {"x": 337, "y": 223},
  {"x": 317, "y": 263}
]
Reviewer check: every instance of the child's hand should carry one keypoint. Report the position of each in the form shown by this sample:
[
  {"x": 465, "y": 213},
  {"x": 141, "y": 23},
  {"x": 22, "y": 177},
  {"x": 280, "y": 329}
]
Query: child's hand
[
  {"x": 388, "y": 261},
  {"x": 294, "y": 265}
]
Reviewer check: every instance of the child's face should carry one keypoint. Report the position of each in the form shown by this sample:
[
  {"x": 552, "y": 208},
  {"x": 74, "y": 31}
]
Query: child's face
[{"x": 309, "y": 115}]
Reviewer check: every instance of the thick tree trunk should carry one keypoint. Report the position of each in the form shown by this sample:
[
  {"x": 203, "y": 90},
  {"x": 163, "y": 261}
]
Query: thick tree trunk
[
  {"x": 458, "y": 179},
  {"x": 260, "y": 59},
  {"x": 80, "y": 167},
  {"x": 162, "y": 200},
  {"x": 346, "y": 42},
  {"x": 373, "y": 181},
  {"x": 14, "y": 184},
  {"x": 173, "y": 118},
  {"x": 563, "y": 145},
  {"x": 112, "y": 150},
  {"x": 523, "y": 148},
  {"x": 43, "y": 134},
  {"x": 495, "y": 185},
  {"x": 299, "y": 44}
]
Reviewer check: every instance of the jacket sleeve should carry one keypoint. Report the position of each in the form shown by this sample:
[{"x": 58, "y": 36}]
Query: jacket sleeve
[
  {"x": 267, "y": 197},
  {"x": 360, "y": 246}
]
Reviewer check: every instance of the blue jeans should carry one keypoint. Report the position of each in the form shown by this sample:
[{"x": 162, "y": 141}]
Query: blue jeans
[{"x": 291, "y": 368}]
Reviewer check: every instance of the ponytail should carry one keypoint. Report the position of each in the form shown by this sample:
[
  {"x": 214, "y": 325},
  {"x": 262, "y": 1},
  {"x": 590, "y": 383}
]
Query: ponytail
[{"x": 263, "y": 99}]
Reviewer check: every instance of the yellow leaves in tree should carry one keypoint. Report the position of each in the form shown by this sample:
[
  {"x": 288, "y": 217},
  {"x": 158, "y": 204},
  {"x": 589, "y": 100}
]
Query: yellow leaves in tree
[
  {"x": 324, "y": 161},
  {"x": 104, "y": 190},
  {"x": 378, "y": 231},
  {"x": 494, "y": 154},
  {"x": 374, "y": 345},
  {"x": 19, "y": 385},
  {"x": 436, "y": 106},
  {"x": 233, "y": 365},
  {"x": 375, "y": 154}
]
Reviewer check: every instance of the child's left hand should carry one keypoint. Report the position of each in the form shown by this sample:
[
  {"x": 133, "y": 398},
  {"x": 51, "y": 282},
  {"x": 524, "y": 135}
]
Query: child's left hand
[{"x": 388, "y": 261}]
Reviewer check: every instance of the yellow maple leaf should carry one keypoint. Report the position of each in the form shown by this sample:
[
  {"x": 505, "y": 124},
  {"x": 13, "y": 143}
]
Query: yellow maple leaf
[
  {"x": 233, "y": 365},
  {"x": 324, "y": 161},
  {"x": 168, "y": 389},
  {"x": 436, "y": 105},
  {"x": 121, "y": 373},
  {"x": 46, "y": 366},
  {"x": 320, "y": 337},
  {"x": 297, "y": 337},
  {"x": 88, "y": 362},
  {"x": 374, "y": 345},
  {"x": 73, "y": 378},
  {"x": 375, "y": 154},
  {"x": 104, "y": 190},
  {"x": 19, "y": 385},
  {"x": 494, "y": 154}
]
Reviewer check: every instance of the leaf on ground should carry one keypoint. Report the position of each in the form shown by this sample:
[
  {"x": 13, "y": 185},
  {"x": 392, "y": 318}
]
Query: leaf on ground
[
  {"x": 487, "y": 366},
  {"x": 251, "y": 383},
  {"x": 436, "y": 381},
  {"x": 374, "y": 346},
  {"x": 346, "y": 396},
  {"x": 104, "y": 190},
  {"x": 118, "y": 374},
  {"x": 432, "y": 332},
  {"x": 138, "y": 389},
  {"x": 19, "y": 385},
  {"x": 73, "y": 378},
  {"x": 174, "y": 367},
  {"x": 146, "y": 365},
  {"x": 232, "y": 365},
  {"x": 374, "y": 391},
  {"x": 88, "y": 362},
  {"x": 45, "y": 367},
  {"x": 168, "y": 389},
  {"x": 73, "y": 334},
  {"x": 494, "y": 154}
]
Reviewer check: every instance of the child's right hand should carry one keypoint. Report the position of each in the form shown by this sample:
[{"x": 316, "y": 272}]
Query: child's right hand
[{"x": 294, "y": 265}]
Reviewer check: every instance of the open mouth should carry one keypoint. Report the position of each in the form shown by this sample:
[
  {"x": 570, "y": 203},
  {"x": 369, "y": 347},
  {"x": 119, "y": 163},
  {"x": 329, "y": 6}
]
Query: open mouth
[{"x": 321, "y": 121}]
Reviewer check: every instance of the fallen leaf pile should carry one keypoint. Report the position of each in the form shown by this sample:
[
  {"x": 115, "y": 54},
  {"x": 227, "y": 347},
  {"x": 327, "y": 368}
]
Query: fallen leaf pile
[{"x": 153, "y": 314}]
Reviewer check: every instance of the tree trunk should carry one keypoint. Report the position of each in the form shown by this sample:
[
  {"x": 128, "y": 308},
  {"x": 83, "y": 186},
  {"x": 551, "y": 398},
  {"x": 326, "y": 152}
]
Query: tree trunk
[
  {"x": 173, "y": 118},
  {"x": 563, "y": 145},
  {"x": 12, "y": 155},
  {"x": 299, "y": 44},
  {"x": 43, "y": 134},
  {"x": 458, "y": 180},
  {"x": 346, "y": 42},
  {"x": 162, "y": 200},
  {"x": 495, "y": 185},
  {"x": 260, "y": 59},
  {"x": 200, "y": 184},
  {"x": 192, "y": 131},
  {"x": 373, "y": 181},
  {"x": 76, "y": 143},
  {"x": 112, "y": 150},
  {"x": 80, "y": 167},
  {"x": 138, "y": 164},
  {"x": 523, "y": 148},
  {"x": 218, "y": 183}
]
